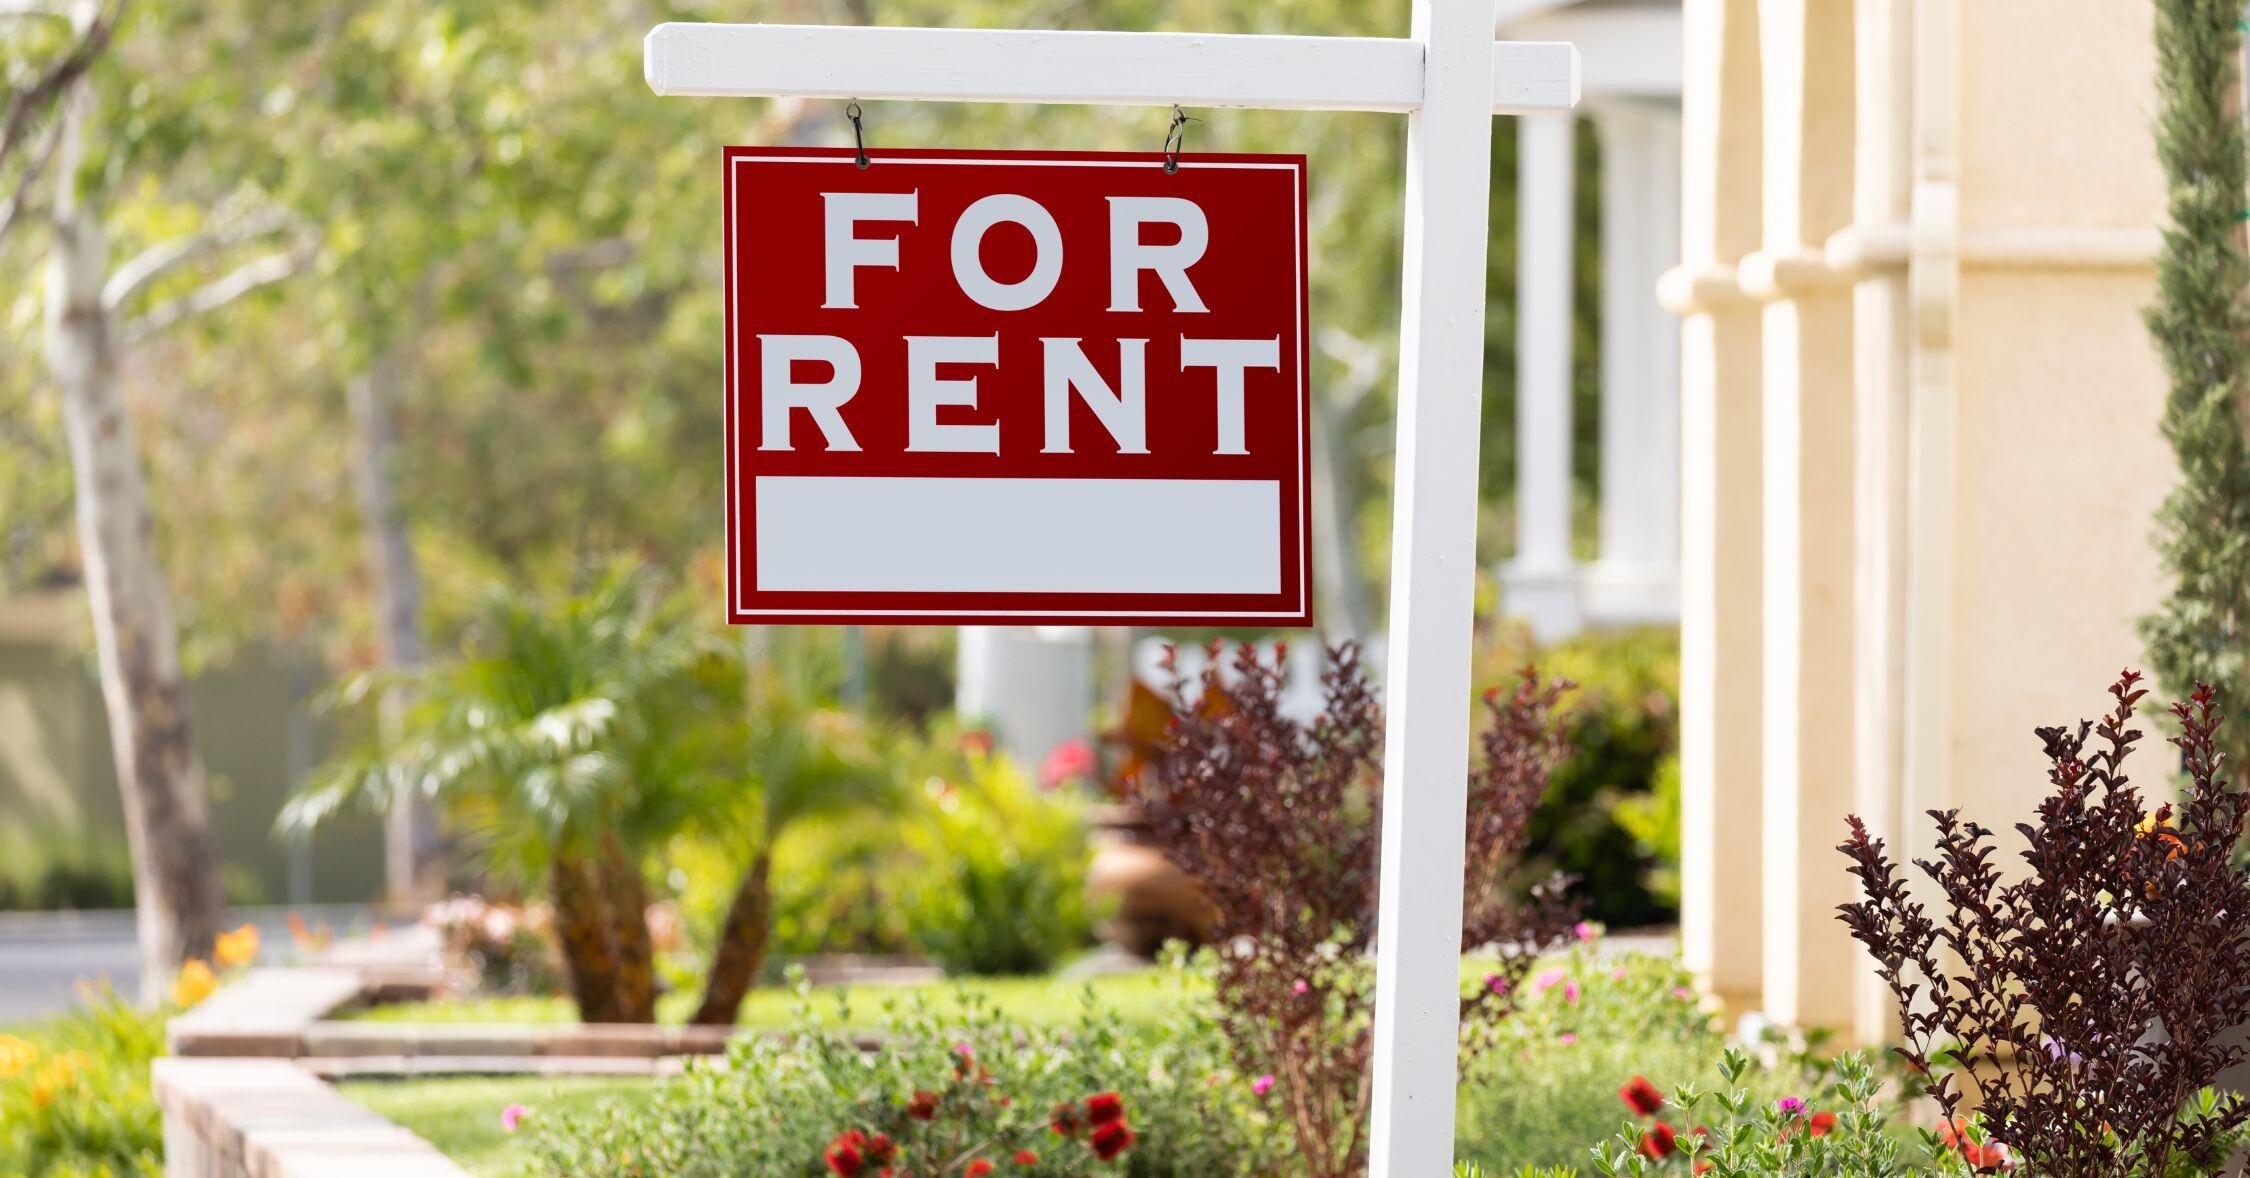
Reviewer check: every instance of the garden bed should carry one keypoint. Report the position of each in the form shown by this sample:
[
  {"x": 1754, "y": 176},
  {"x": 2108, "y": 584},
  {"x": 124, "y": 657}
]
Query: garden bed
[{"x": 1597, "y": 1020}]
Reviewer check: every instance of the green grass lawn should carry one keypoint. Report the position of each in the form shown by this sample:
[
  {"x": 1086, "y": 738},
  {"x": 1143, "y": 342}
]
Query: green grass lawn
[
  {"x": 461, "y": 1115},
  {"x": 1142, "y": 998}
]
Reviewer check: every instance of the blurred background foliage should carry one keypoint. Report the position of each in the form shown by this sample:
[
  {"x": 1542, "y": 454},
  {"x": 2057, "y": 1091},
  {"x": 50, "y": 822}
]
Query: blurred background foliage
[
  {"x": 511, "y": 224},
  {"x": 507, "y": 216}
]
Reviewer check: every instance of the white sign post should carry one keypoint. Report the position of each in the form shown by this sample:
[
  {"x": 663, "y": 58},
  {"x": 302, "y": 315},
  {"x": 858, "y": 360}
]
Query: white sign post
[{"x": 1449, "y": 78}]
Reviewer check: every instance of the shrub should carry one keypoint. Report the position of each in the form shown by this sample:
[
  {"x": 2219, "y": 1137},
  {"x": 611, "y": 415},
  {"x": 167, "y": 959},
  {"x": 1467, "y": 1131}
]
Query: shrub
[
  {"x": 1277, "y": 821},
  {"x": 508, "y": 948},
  {"x": 939, "y": 1094},
  {"x": 1546, "y": 1086},
  {"x": 2089, "y": 1001},
  {"x": 74, "y": 1093},
  {"x": 1835, "y": 1127},
  {"x": 999, "y": 878},
  {"x": 47, "y": 871},
  {"x": 1601, "y": 822}
]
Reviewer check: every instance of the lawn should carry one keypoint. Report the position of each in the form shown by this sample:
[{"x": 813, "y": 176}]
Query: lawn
[
  {"x": 1141, "y": 998},
  {"x": 461, "y": 1114}
]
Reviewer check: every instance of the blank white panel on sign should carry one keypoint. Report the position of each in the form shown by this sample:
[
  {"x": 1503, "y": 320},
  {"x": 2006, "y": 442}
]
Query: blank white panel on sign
[{"x": 953, "y": 535}]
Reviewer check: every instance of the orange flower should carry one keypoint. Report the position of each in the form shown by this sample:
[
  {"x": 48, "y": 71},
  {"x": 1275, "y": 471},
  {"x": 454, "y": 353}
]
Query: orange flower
[
  {"x": 239, "y": 947},
  {"x": 194, "y": 984}
]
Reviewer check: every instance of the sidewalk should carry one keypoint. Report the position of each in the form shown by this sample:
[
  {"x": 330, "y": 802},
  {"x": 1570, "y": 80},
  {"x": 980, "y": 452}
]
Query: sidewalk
[{"x": 45, "y": 955}]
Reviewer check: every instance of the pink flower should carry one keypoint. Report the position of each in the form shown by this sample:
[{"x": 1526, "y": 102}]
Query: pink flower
[
  {"x": 1682, "y": 993},
  {"x": 512, "y": 1116},
  {"x": 1301, "y": 988},
  {"x": 1567, "y": 1038},
  {"x": 1262, "y": 1084},
  {"x": 1570, "y": 992},
  {"x": 1547, "y": 981},
  {"x": 1789, "y": 1106},
  {"x": 1495, "y": 983},
  {"x": 1585, "y": 930},
  {"x": 1618, "y": 974},
  {"x": 1068, "y": 761}
]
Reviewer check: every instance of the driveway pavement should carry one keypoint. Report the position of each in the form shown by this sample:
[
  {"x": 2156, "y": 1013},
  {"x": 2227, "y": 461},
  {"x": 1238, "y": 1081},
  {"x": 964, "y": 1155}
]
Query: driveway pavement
[{"x": 45, "y": 955}]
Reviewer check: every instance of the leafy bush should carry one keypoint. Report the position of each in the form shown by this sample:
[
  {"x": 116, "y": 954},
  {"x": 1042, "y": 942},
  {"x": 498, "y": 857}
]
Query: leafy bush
[
  {"x": 51, "y": 873},
  {"x": 1836, "y": 1128},
  {"x": 1601, "y": 821},
  {"x": 2092, "y": 1000},
  {"x": 508, "y": 948},
  {"x": 1547, "y": 1085},
  {"x": 74, "y": 1093},
  {"x": 1278, "y": 822},
  {"x": 942, "y": 1094},
  {"x": 999, "y": 881}
]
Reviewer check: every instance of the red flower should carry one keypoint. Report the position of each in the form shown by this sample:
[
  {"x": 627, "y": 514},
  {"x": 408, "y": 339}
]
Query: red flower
[
  {"x": 1025, "y": 1157},
  {"x": 844, "y": 1155},
  {"x": 881, "y": 1149},
  {"x": 1065, "y": 1122},
  {"x": 1110, "y": 1139},
  {"x": 1659, "y": 1142},
  {"x": 1067, "y": 761},
  {"x": 1641, "y": 1096},
  {"x": 924, "y": 1105},
  {"x": 1821, "y": 1124},
  {"x": 978, "y": 1169},
  {"x": 1102, "y": 1108}
]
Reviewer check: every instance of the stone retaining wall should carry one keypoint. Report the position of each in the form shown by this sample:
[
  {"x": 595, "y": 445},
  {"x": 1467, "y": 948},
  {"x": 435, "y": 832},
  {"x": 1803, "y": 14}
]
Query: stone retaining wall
[{"x": 268, "y": 1118}]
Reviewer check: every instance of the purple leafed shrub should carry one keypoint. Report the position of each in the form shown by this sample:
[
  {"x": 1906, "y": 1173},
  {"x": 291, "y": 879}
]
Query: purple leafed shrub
[
  {"x": 1279, "y": 821},
  {"x": 2090, "y": 998}
]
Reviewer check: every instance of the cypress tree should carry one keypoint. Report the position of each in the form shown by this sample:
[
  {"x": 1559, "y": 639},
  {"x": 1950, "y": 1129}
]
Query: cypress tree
[{"x": 2202, "y": 331}]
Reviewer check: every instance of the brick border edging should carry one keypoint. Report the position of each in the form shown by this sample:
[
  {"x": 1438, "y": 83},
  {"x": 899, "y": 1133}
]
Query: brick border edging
[{"x": 268, "y": 1118}]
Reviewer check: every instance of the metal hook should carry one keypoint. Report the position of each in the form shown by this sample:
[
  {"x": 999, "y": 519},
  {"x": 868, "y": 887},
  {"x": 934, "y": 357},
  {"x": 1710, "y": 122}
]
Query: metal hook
[
  {"x": 859, "y": 138},
  {"x": 1175, "y": 137}
]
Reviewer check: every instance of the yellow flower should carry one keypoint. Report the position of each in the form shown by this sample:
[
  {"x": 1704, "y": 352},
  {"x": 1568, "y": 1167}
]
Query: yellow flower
[
  {"x": 16, "y": 1055},
  {"x": 195, "y": 983},
  {"x": 239, "y": 947}
]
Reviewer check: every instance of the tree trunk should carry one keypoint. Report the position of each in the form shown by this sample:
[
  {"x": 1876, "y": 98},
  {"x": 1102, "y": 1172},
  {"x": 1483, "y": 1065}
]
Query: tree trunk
[
  {"x": 741, "y": 951},
  {"x": 413, "y": 867},
  {"x": 178, "y": 903},
  {"x": 582, "y": 931},
  {"x": 628, "y": 922}
]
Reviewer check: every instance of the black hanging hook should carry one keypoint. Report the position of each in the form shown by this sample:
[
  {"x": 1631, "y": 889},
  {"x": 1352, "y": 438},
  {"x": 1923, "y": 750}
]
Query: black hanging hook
[
  {"x": 1175, "y": 137},
  {"x": 859, "y": 137}
]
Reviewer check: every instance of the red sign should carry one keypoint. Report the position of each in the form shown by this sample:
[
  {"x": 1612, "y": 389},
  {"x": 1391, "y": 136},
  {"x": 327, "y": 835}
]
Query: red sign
[{"x": 1016, "y": 387}]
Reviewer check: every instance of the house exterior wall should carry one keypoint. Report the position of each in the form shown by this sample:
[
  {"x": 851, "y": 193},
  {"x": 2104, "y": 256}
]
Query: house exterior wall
[{"x": 1988, "y": 403}]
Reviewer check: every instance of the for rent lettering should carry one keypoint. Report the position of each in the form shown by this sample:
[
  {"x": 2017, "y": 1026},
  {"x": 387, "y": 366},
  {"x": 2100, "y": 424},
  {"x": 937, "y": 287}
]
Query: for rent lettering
[{"x": 1065, "y": 348}]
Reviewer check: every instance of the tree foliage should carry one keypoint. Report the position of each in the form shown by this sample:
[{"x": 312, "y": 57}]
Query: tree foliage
[{"x": 2202, "y": 330}]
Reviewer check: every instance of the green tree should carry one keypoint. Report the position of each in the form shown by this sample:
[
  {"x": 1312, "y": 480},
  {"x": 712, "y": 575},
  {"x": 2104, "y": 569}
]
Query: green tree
[{"x": 2202, "y": 331}]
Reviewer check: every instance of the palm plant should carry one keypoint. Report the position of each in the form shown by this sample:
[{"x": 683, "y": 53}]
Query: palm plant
[
  {"x": 573, "y": 732},
  {"x": 801, "y": 760}
]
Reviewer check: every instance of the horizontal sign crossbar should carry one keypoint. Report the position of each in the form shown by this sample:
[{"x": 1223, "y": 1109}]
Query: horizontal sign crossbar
[{"x": 1083, "y": 67}]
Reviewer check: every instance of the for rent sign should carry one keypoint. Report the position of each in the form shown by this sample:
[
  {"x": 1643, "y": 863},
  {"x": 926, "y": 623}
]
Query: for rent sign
[{"x": 1016, "y": 387}]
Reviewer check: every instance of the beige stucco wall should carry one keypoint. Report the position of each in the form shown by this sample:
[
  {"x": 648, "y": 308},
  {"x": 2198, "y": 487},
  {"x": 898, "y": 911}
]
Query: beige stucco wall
[
  {"x": 1999, "y": 460},
  {"x": 2060, "y": 392}
]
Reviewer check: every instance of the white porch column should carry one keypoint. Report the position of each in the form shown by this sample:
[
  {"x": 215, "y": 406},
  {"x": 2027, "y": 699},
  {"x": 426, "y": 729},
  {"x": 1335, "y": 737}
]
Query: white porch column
[
  {"x": 1722, "y": 505},
  {"x": 1541, "y": 582},
  {"x": 1811, "y": 963},
  {"x": 1637, "y": 578},
  {"x": 1033, "y": 684}
]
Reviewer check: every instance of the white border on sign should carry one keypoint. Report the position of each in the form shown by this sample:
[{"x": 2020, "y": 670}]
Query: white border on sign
[{"x": 1297, "y": 328}]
